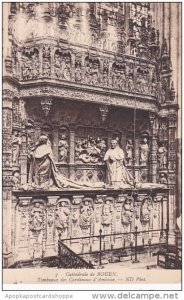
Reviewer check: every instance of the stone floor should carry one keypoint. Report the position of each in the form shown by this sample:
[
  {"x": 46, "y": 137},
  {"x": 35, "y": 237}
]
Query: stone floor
[{"x": 144, "y": 263}]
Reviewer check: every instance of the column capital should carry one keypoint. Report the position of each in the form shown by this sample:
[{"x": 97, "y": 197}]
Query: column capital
[
  {"x": 52, "y": 200},
  {"x": 77, "y": 199},
  {"x": 24, "y": 200},
  {"x": 7, "y": 98}
]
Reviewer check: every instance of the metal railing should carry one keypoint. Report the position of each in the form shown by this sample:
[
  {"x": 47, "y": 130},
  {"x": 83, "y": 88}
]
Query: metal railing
[
  {"x": 100, "y": 254},
  {"x": 69, "y": 259},
  {"x": 171, "y": 258}
]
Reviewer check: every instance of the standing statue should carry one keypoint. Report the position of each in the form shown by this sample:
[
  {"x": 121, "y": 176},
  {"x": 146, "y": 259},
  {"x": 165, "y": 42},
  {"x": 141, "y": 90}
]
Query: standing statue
[
  {"x": 127, "y": 211},
  {"x": 63, "y": 149},
  {"x": 16, "y": 142},
  {"x": 86, "y": 214},
  {"x": 62, "y": 219},
  {"x": 107, "y": 211},
  {"x": 36, "y": 217},
  {"x": 118, "y": 174},
  {"x": 129, "y": 152},
  {"x": 144, "y": 152},
  {"x": 162, "y": 157},
  {"x": 146, "y": 209}
]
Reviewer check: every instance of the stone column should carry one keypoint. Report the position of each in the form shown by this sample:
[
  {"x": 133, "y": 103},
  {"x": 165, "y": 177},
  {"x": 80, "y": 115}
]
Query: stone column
[
  {"x": 83, "y": 66},
  {"x": 154, "y": 147},
  {"x": 172, "y": 171},
  {"x": 72, "y": 66},
  {"x": 23, "y": 158},
  {"x": 137, "y": 157},
  {"x": 7, "y": 177},
  {"x": 52, "y": 62}
]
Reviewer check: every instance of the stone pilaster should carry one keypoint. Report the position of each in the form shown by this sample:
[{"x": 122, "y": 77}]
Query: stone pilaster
[
  {"x": 172, "y": 170},
  {"x": 21, "y": 236},
  {"x": 72, "y": 151},
  {"x": 154, "y": 147},
  {"x": 23, "y": 158},
  {"x": 7, "y": 177},
  {"x": 73, "y": 66},
  {"x": 51, "y": 239},
  {"x": 52, "y": 62}
]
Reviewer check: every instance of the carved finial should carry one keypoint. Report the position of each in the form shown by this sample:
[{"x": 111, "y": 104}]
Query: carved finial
[{"x": 164, "y": 47}]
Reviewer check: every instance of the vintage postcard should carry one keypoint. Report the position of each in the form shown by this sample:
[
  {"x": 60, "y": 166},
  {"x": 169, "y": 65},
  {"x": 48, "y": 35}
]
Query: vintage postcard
[{"x": 91, "y": 144}]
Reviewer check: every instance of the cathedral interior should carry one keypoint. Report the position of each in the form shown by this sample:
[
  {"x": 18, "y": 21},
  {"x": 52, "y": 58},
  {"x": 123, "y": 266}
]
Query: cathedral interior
[{"x": 84, "y": 74}]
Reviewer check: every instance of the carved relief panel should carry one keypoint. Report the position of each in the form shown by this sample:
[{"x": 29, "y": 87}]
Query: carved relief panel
[
  {"x": 90, "y": 146},
  {"x": 62, "y": 64},
  {"x": 92, "y": 71},
  {"x": 142, "y": 83},
  {"x": 118, "y": 76},
  {"x": 30, "y": 63}
]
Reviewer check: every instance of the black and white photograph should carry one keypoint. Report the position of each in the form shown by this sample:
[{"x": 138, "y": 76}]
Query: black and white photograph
[{"x": 91, "y": 143}]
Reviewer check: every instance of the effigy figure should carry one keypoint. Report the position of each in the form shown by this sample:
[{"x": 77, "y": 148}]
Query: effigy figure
[
  {"x": 44, "y": 174},
  {"x": 118, "y": 175}
]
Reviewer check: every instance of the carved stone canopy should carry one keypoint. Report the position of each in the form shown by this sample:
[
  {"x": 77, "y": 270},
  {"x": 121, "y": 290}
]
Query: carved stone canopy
[{"x": 46, "y": 103}]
